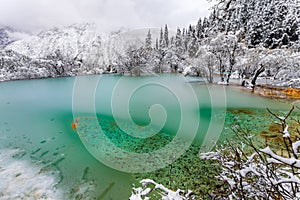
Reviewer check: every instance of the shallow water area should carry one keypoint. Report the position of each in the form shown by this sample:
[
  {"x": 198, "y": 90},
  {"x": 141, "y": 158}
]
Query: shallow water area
[{"x": 37, "y": 139}]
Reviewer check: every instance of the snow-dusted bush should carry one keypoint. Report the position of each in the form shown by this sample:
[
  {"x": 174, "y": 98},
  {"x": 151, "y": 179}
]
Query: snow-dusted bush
[{"x": 260, "y": 173}]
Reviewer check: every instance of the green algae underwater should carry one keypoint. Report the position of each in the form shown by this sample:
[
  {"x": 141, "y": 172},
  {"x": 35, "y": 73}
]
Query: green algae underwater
[{"x": 37, "y": 139}]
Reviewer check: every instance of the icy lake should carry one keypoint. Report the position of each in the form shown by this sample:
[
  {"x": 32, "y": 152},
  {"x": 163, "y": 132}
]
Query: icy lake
[{"x": 48, "y": 140}]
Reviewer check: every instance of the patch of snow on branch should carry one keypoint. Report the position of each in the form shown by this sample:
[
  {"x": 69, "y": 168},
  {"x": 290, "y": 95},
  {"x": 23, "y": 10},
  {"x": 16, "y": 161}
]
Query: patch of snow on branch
[
  {"x": 296, "y": 145},
  {"x": 286, "y": 132},
  {"x": 278, "y": 159},
  {"x": 141, "y": 193}
]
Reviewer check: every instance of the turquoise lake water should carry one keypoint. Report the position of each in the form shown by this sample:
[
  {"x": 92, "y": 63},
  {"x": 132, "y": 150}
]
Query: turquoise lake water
[{"x": 42, "y": 156}]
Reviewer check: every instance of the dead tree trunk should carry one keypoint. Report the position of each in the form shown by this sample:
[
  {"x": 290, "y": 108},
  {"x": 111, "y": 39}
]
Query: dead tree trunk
[
  {"x": 257, "y": 73},
  {"x": 231, "y": 61}
]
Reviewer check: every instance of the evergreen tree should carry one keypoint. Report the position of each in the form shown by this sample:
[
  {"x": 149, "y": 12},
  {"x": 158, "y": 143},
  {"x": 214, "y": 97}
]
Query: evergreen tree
[
  {"x": 184, "y": 40},
  {"x": 205, "y": 27},
  {"x": 148, "y": 42},
  {"x": 166, "y": 36},
  {"x": 161, "y": 39},
  {"x": 172, "y": 41},
  {"x": 199, "y": 29},
  {"x": 190, "y": 30},
  {"x": 205, "y": 23},
  {"x": 178, "y": 42},
  {"x": 192, "y": 45},
  {"x": 156, "y": 44}
]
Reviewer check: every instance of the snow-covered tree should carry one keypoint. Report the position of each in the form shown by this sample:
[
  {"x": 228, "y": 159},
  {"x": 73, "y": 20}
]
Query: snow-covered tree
[
  {"x": 161, "y": 39},
  {"x": 199, "y": 29},
  {"x": 166, "y": 37},
  {"x": 134, "y": 60},
  {"x": 205, "y": 26},
  {"x": 225, "y": 47},
  {"x": 193, "y": 44},
  {"x": 156, "y": 44},
  {"x": 148, "y": 42},
  {"x": 178, "y": 42},
  {"x": 272, "y": 23},
  {"x": 204, "y": 63},
  {"x": 185, "y": 40}
]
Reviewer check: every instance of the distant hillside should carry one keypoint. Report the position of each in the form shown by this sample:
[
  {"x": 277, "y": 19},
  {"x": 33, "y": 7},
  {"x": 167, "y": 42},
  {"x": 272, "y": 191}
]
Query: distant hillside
[
  {"x": 82, "y": 42},
  {"x": 69, "y": 51}
]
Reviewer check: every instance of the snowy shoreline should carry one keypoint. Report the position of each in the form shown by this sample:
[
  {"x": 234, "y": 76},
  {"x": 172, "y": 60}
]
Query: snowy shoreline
[{"x": 271, "y": 91}]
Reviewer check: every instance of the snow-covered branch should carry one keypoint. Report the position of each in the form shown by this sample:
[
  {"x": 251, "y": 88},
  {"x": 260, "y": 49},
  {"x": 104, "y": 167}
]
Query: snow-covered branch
[{"x": 161, "y": 192}]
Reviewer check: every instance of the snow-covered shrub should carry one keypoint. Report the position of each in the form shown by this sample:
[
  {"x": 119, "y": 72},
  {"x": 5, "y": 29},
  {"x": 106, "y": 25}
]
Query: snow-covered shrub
[{"x": 256, "y": 173}]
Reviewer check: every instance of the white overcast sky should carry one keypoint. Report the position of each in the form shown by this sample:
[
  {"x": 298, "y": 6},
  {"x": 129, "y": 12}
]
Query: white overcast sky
[{"x": 34, "y": 15}]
